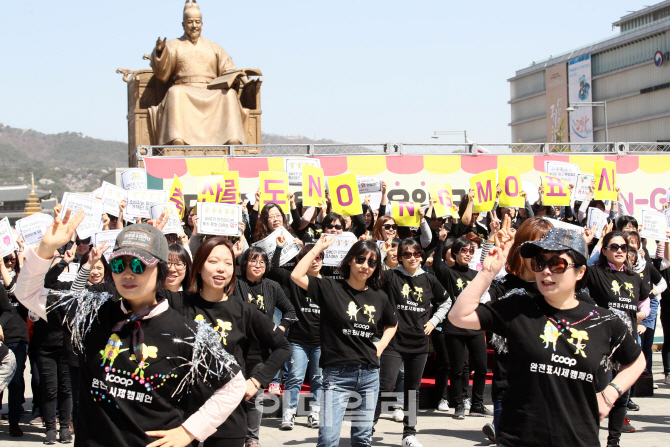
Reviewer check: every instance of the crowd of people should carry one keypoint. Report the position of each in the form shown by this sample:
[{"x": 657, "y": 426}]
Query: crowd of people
[{"x": 173, "y": 339}]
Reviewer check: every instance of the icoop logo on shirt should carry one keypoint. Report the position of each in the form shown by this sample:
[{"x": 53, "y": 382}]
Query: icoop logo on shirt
[{"x": 565, "y": 360}]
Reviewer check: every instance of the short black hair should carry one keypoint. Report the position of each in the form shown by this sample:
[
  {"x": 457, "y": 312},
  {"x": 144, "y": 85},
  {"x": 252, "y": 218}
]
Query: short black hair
[
  {"x": 332, "y": 217},
  {"x": 622, "y": 221},
  {"x": 362, "y": 248},
  {"x": 410, "y": 243},
  {"x": 250, "y": 255}
]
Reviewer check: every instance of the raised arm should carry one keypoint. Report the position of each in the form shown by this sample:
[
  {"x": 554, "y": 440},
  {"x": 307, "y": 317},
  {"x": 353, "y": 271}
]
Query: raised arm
[{"x": 299, "y": 274}]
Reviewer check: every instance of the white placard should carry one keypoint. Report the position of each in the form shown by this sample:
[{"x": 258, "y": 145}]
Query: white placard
[
  {"x": 654, "y": 225},
  {"x": 7, "y": 241},
  {"x": 375, "y": 200},
  {"x": 269, "y": 245},
  {"x": 293, "y": 167},
  {"x": 667, "y": 216},
  {"x": 366, "y": 185},
  {"x": 475, "y": 262},
  {"x": 334, "y": 254},
  {"x": 531, "y": 191},
  {"x": 251, "y": 198},
  {"x": 582, "y": 186},
  {"x": 220, "y": 219},
  {"x": 93, "y": 208},
  {"x": 140, "y": 202},
  {"x": 73, "y": 267},
  {"x": 563, "y": 170},
  {"x": 111, "y": 197},
  {"x": 32, "y": 228},
  {"x": 173, "y": 224},
  {"x": 97, "y": 193},
  {"x": 134, "y": 179},
  {"x": 108, "y": 236},
  {"x": 597, "y": 218},
  {"x": 561, "y": 224},
  {"x": 67, "y": 276}
]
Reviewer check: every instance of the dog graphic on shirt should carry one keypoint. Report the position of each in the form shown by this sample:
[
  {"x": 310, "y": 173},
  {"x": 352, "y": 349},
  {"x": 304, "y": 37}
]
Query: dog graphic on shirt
[
  {"x": 352, "y": 311},
  {"x": 616, "y": 287},
  {"x": 418, "y": 293},
  {"x": 145, "y": 353}
]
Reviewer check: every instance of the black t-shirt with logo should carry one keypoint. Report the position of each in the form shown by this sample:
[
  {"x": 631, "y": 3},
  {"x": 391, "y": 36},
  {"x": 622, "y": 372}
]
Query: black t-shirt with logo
[
  {"x": 618, "y": 291},
  {"x": 554, "y": 359},
  {"x": 351, "y": 319},
  {"x": 413, "y": 299}
]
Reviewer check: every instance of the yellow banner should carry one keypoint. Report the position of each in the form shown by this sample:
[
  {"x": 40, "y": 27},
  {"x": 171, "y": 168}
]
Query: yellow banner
[
  {"x": 556, "y": 191},
  {"x": 232, "y": 192},
  {"x": 177, "y": 196},
  {"x": 344, "y": 195},
  {"x": 274, "y": 189},
  {"x": 510, "y": 183},
  {"x": 406, "y": 214},
  {"x": 445, "y": 199},
  {"x": 210, "y": 187},
  {"x": 313, "y": 186},
  {"x": 484, "y": 185},
  {"x": 605, "y": 176}
]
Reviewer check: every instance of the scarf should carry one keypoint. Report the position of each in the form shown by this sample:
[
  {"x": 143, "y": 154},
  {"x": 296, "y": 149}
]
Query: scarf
[{"x": 135, "y": 318}]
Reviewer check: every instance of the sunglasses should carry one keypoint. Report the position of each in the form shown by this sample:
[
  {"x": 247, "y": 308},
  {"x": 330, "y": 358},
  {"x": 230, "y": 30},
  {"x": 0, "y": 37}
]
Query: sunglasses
[
  {"x": 390, "y": 226},
  {"x": 119, "y": 265},
  {"x": 556, "y": 265},
  {"x": 408, "y": 254},
  {"x": 467, "y": 251},
  {"x": 337, "y": 227},
  {"x": 9, "y": 259},
  {"x": 317, "y": 258},
  {"x": 616, "y": 247},
  {"x": 86, "y": 241},
  {"x": 361, "y": 260}
]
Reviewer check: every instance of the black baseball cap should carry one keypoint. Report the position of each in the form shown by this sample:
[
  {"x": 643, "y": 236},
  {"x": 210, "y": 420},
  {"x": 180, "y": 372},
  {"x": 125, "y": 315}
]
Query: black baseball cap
[{"x": 142, "y": 241}]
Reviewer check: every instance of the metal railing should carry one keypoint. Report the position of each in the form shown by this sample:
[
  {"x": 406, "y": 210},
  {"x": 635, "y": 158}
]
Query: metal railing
[{"x": 483, "y": 149}]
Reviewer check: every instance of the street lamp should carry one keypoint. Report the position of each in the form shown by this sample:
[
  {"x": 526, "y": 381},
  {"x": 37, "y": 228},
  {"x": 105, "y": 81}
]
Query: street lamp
[
  {"x": 574, "y": 106},
  {"x": 438, "y": 133}
]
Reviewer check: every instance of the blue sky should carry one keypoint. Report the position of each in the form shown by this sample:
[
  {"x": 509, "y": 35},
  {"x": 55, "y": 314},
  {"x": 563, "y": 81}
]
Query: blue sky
[{"x": 352, "y": 71}]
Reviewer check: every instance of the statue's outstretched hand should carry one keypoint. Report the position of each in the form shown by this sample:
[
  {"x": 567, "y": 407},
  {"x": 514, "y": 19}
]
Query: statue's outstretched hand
[{"x": 160, "y": 45}]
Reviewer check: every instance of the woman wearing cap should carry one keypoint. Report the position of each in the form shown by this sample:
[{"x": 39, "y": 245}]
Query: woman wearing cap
[
  {"x": 356, "y": 308},
  {"x": 556, "y": 345},
  {"x": 139, "y": 373}
]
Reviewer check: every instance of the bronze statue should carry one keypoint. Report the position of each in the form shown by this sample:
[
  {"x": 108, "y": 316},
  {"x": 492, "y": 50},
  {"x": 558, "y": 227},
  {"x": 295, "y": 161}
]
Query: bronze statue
[{"x": 200, "y": 107}]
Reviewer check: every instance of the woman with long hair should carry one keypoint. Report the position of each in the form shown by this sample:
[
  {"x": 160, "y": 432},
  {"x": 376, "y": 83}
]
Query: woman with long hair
[
  {"x": 357, "y": 309},
  {"x": 144, "y": 373},
  {"x": 384, "y": 228},
  {"x": 556, "y": 345}
]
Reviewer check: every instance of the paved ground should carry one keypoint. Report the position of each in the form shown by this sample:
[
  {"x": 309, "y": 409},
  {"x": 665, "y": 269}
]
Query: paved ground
[{"x": 435, "y": 429}]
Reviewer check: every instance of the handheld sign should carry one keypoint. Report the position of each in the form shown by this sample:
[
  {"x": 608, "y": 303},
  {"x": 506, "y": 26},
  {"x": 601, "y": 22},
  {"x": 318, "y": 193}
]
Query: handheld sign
[
  {"x": 32, "y": 228},
  {"x": 111, "y": 197},
  {"x": 219, "y": 219},
  {"x": 173, "y": 224},
  {"x": 484, "y": 185},
  {"x": 7, "y": 240},
  {"x": 344, "y": 195},
  {"x": 367, "y": 185},
  {"x": 109, "y": 237},
  {"x": 406, "y": 214},
  {"x": 475, "y": 262},
  {"x": 667, "y": 216},
  {"x": 96, "y": 193},
  {"x": 210, "y": 188},
  {"x": 313, "y": 186},
  {"x": 177, "y": 196},
  {"x": 582, "y": 186},
  {"x": 597, "y": 218},
  {"x": 134, "y": 179},
  {"x": 274, "y": 189},
  {"x": 269, "y": 245},
  {"x": 564, "y": 171},
  {"x": 605, "y": 176},
  {"x": 293, "y": 168},
  {"x": 556, "y": 191},
  {"x": 654, "y": 225},
  {"x": 231, "y": 193},
  {"x": 510, "y": 183},
  {"x": 93, "y": 208},
  {"x": 140, "y": 202},
  {"x": 333, "y": 255},
  {"x": 445, "y": 199},
  {"x": 532, "y": 193}
]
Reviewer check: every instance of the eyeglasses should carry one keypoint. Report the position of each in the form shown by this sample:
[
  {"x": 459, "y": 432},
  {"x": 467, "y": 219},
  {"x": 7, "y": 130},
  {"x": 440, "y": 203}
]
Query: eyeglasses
[
  {"x": 390, "y": 226},
  {"x": 617, "y": 247},
  {"x": 257, "y": 262},
  {"x": 119, "y": 265},
  {"x": 409, "y": 254},
  {"x": 361, "y": 260},
  {"x": 556, "y": 265},
  {"x": 86, "y": 241},
  {"x": 177, "y": 265},
  {"x": 337, "y": 227},
  {"x": 275, "y": 217},
  {"x": 467, "y": 251}
]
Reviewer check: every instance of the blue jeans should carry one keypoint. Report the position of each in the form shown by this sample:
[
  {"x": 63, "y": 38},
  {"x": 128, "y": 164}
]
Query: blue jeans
[
  {"x": 497, "y": 409},
  {"x": 359, "y": 382},
  {"x": 16, "y": 387},
  {"x": 301, "y": 356}
]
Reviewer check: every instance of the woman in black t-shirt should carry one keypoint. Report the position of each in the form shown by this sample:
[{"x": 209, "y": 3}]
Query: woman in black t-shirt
[
  {"x": 556, "y": 345},
  {"x": 356, "y": 308},
  {"x": 414, "y": 295}
]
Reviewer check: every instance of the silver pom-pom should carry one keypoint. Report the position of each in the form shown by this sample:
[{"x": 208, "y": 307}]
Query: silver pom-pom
[
  {"x": 209, "y": 359},
  {"x": 80, "y": 320}
]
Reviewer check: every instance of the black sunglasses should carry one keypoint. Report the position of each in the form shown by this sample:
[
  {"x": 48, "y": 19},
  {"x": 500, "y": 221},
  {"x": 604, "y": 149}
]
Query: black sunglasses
[
  {"x": 118, "y": 266},
  {"x": 616, "y": 247},
  {"x": 408, "y": 254},
  {"x": 86, "y": 241},
  {"x": 390, "y": 226},
  {"x": 361, "y": 260},
  {"x": 556, "y": 264},
  {"x": 337, "y": 227}
]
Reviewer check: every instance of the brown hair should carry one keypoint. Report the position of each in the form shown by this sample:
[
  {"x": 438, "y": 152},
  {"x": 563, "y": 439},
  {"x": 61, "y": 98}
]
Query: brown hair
[
  {"x": 377, "y": 234},
  {"x": 199, "y": 259},
  {"x": 532, "y": 229},
  {"x": 474, "y": 238}
]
